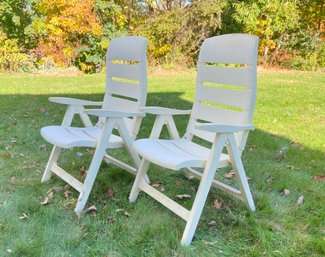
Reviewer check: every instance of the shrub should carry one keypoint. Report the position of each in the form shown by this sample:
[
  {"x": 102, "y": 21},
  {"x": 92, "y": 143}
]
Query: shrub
[{"x": 12, "y": 58}]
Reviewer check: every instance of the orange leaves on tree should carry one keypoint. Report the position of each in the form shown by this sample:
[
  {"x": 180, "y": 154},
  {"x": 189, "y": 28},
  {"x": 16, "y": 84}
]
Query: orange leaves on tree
[{"x": 67, "y": 21}]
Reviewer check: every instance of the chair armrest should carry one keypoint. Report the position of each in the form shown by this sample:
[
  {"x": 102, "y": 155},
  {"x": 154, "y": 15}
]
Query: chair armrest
[
  {"x": 164, "y": 111},
  {"x": 224, "y": 128},
  {"x": 74, "y": 101},
  {"x": 113, "y": 114}
]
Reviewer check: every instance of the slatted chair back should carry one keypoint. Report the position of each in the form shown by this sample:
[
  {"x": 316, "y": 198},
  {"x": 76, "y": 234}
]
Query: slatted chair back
[
  {"x": 226, "y": 85},
  {"x": 126, "y": 78}
]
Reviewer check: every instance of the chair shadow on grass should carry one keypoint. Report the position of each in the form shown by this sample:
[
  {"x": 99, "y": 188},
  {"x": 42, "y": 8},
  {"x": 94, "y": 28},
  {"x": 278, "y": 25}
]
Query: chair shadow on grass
[{"x": 270, "y": 170}]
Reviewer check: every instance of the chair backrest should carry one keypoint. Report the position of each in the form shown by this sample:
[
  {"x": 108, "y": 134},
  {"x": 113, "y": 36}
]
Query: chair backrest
[
  {"x": 126, "y": 77},
  {"x": 226, "y": 84}
]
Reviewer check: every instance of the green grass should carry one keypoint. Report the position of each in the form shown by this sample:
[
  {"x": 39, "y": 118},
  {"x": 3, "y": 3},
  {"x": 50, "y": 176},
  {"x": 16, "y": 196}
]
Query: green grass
[{"x": 290, "y": 116}]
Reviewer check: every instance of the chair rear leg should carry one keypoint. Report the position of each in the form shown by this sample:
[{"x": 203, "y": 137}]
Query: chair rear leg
[
  {"x": 240, "y": 172},
  {"x": 52, "y": 160},
  {"x": 141, "y": 175}
]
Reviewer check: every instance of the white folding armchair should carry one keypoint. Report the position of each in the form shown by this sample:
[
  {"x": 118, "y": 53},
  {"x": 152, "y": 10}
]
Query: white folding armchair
[
  {"x": 126, "y": 92},
  {"x": 222, "y": 114}
]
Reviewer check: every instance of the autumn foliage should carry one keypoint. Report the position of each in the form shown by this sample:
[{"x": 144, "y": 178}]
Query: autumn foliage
[{"x": 38, "y": 34}]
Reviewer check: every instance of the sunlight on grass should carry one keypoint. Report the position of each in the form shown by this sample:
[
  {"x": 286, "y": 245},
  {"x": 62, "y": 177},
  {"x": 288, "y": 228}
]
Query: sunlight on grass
[{"x": 284, "y": 152}]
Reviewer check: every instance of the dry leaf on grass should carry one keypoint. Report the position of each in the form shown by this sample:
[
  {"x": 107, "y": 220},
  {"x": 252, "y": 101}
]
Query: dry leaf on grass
[
  {"x": 300, "y": 200},
  {"x": 7, "y": 155},
  {"x": 279, "y": 156},
  {"x": 162, "y": 189},
  {"x": 82, "y": 171},
  {"x": 155, "y": 184},
  {"x": 91, "y": 151},
  {"x": 286, "y": 192},
  {"x": 23, "y": 217},
  {"x": 217, "y": 203},
  {"x": 110, "y": 192},
  {"x": 230, "y": 174},
  {"x": 91, "y": 209},
  {"x": 183, "y": 196},
  {"x": 124, "y": 212},
  {"x": 212, "y": 223},
  {"x": 79, "y": 155},
  {"x": 319, "y": 177}
]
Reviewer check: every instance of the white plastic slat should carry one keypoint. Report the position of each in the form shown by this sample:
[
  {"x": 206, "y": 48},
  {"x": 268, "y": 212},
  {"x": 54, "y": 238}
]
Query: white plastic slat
[
  {"x": 219, "y": 115},
  {"x": 236, "y": 48},
  {"x": 208, "y": 136},
  {"x": 124, "y": 89},
  {"x": 225, "y": 96},
  {"x": 120, "y": 104},
  {"x": 125, "y": 71},
  {"x": 224, "y": 75}
]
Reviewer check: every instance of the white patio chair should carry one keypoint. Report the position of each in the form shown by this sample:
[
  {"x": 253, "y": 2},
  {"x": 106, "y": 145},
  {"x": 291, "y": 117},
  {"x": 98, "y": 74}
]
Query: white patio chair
[
  {"x": 222, "y": 114},
  {"x": 126, "y": 92}
]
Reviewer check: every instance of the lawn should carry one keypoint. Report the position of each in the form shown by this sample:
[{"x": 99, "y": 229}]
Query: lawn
[{"x": 286, "y": 151}]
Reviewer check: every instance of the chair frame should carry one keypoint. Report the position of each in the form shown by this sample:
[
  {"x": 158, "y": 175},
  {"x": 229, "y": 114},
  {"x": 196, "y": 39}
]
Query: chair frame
[
  {"x": 109, "y": 119},
  {"x": 224, "y": 135}
]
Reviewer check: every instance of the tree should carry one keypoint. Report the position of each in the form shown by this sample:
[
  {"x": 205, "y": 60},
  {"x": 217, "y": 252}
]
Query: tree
[{"x": 271, "y": 20}]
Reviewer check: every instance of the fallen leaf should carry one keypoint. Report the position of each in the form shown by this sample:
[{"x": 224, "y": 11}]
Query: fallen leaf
[
  {"x": 82, "y": 171},
  {"x": 67, "y": 194},
  {"x": 183, "y": 196},
  {"x": 110, "y": 192},
  {"x": 230, "y": 174},
  {"x": 91, "y": 209},
  {"x": 45, "y": 201},
  {"x": 42, "y": 147},
  {"x": 178, "y": 182},
  {"x": 79, "y": 155},
  {"x": 217, "y": 203},
  {"x": 55, "y": 190},
  {"x": 156, "y": 184},
  {"x": 111, "y": 219},
  {"x": 91, "y": 151},
  {"x": 66, "y": 187},
  {"x": 280, "y": 155},
  {"x": 269, "y": 179},
  {"x": 286, "y": 192},
  {"x": 300, "y": 200},
  {"x": 162, "y": 189},
  {"x": 122, "y": 211},
  {"x": 23, "y": 217},
  {"x": 212, "y": 223},
  {"x": 7, "y": 155},
  {"x": 319, "y": 177},
  {"x": 42, "y": 110},
  {"x": 21, "y": 155},
  {"x": 8, "y": 250}
]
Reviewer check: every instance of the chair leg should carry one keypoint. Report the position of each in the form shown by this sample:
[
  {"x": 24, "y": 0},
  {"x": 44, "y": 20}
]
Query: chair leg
[
  {"x": 240, "y": 172},
  {"x": 142, "y": 174},
  {"x": 94, "y": 165},
  {"x": 89, "y": 181},
  {"x": 203, "y": 189},
  {"x": 52, "y": 160}
]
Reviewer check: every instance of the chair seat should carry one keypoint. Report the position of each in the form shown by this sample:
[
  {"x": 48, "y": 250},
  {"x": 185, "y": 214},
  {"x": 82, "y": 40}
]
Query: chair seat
[
  {"x": 175, "y": 154},
  {"x": 68, "y": 137}
]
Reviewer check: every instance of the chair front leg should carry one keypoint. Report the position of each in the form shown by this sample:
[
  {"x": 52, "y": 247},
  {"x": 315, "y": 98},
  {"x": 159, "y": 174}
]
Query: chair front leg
[
  {"x": 95, "y": 164},
  {"x": 204, "y": 188}
]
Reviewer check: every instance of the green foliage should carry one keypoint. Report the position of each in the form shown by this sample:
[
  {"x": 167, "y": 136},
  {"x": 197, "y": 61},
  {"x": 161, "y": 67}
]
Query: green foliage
[
  {"x": 64, "y": 33},
  {"x": 11, "y": 57},
  {"x": 176, "y": 35}
]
